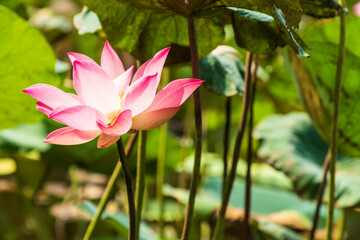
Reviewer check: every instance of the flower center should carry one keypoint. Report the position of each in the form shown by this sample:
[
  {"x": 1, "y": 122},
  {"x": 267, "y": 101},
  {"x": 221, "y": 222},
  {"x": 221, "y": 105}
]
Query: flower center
[{"x": 112, "y": 116}]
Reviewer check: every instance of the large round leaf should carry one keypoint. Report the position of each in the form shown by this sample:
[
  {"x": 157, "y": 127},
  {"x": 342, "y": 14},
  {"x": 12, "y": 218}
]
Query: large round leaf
[
  {"x": 26, "y": 58},
  {"x": 290, "y": 143}
]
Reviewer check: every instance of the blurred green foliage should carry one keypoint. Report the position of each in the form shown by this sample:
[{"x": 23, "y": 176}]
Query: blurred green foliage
[{"x": 42, "y": 185}]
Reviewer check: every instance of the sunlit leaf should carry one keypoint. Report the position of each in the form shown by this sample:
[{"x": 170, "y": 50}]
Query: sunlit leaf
[{"x": 26, "y": 58}]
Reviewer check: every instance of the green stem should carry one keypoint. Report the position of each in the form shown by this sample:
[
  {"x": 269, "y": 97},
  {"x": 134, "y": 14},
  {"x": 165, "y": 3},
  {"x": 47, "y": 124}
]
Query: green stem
[
  {"x": 320, "y": 194},
  {"x": 161, "y": 160},
  {"x": 250, "y": 154},
  {"x": 334, "y": 122},
  {"x": 220, "y": 223},
  {"x": 160, "y": 175},
  {"x": 129, "y": 189},
  {"x": 140, "y": 180},
  {"x": 226, "y": 139},
  {"x": 109, "y": 187},
  {"x": 198, "y": 130}
]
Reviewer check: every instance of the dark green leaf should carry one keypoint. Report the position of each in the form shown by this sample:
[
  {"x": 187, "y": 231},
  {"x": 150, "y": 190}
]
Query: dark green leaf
[
  {"x": 26, "y": 58},
  {"x": 223, "y": 71},
  {"x": 291, "y": 144},
  {"x": 257, "y": 37},
  {"x": 319, "y": 8},
  {"x": 142, "y": 31},
  {"x": 290, "y": 8}
]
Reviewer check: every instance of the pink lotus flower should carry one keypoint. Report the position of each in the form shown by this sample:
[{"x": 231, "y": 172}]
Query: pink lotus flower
[
  {"x": 356, "y": 9},
  {"x": 107, "y": 104}
]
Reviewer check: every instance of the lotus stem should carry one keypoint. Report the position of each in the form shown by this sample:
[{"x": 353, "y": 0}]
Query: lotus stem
[
  {"x": 250, "y": 152},
  {"x": 220, "y": 223},
  {"x": 161, "y": 162},
  {"x": 198, "y": 130},
  {"x": 129, "y": 189},
  {"x": 334, "y": 122},
  {"x": 320, "y": 194},
  {"x": 109, "y": 187},
  {"x": 226, "y": 139},
  {"x": 140, "y": 180}
]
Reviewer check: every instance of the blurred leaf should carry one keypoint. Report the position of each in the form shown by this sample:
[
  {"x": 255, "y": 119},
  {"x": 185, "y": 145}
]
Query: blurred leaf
[
  {"x": 327, "y": 31},
  {"x": 172, "y": 211},
  {"x": 26, "y": 58},
  {"x": 17, "y": 6},
  {"x": 261, "y": 174},
  {"x": 265, "y": 200},
  {"x": 223, "y": 71},
  {"x": 291, "y": 144},
  {"x": 47, "y": 20},
  {"x": 87, "y": 22},
  {"x": 205, "y": 203},
  {"x": 131, "y": 26},
  {"x": 270, "y": 207},
  {"x": 7, "y": 166},
  {"x": 25, "y": 136},
  {"x": 120, "y": 222},
  {"x": 268, "y": 230},
  {"x": 61, "y": 67},
  {"x": 316, "y": 78}
]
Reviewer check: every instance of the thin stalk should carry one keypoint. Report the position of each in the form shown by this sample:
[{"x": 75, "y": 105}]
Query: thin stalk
[
  {"x": 108, "y": 189},
  {"x": 129, "y": 189},
  {"x": 160, "y": 175},
  {"x": 160, "y": 168},
  {"x": 182, "y": 182},
  {"x": 342, "y": 224},
  {"x": 250, "y": 153},
  {"x": 140, "y": 180},
  {"x": 226, "y": 139},
  {"x": 220, "y": 223},
  {"x": 198, "y": 130},
  {"x": 320, "y": 194},
  {"x": 334, "y": 122}
]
